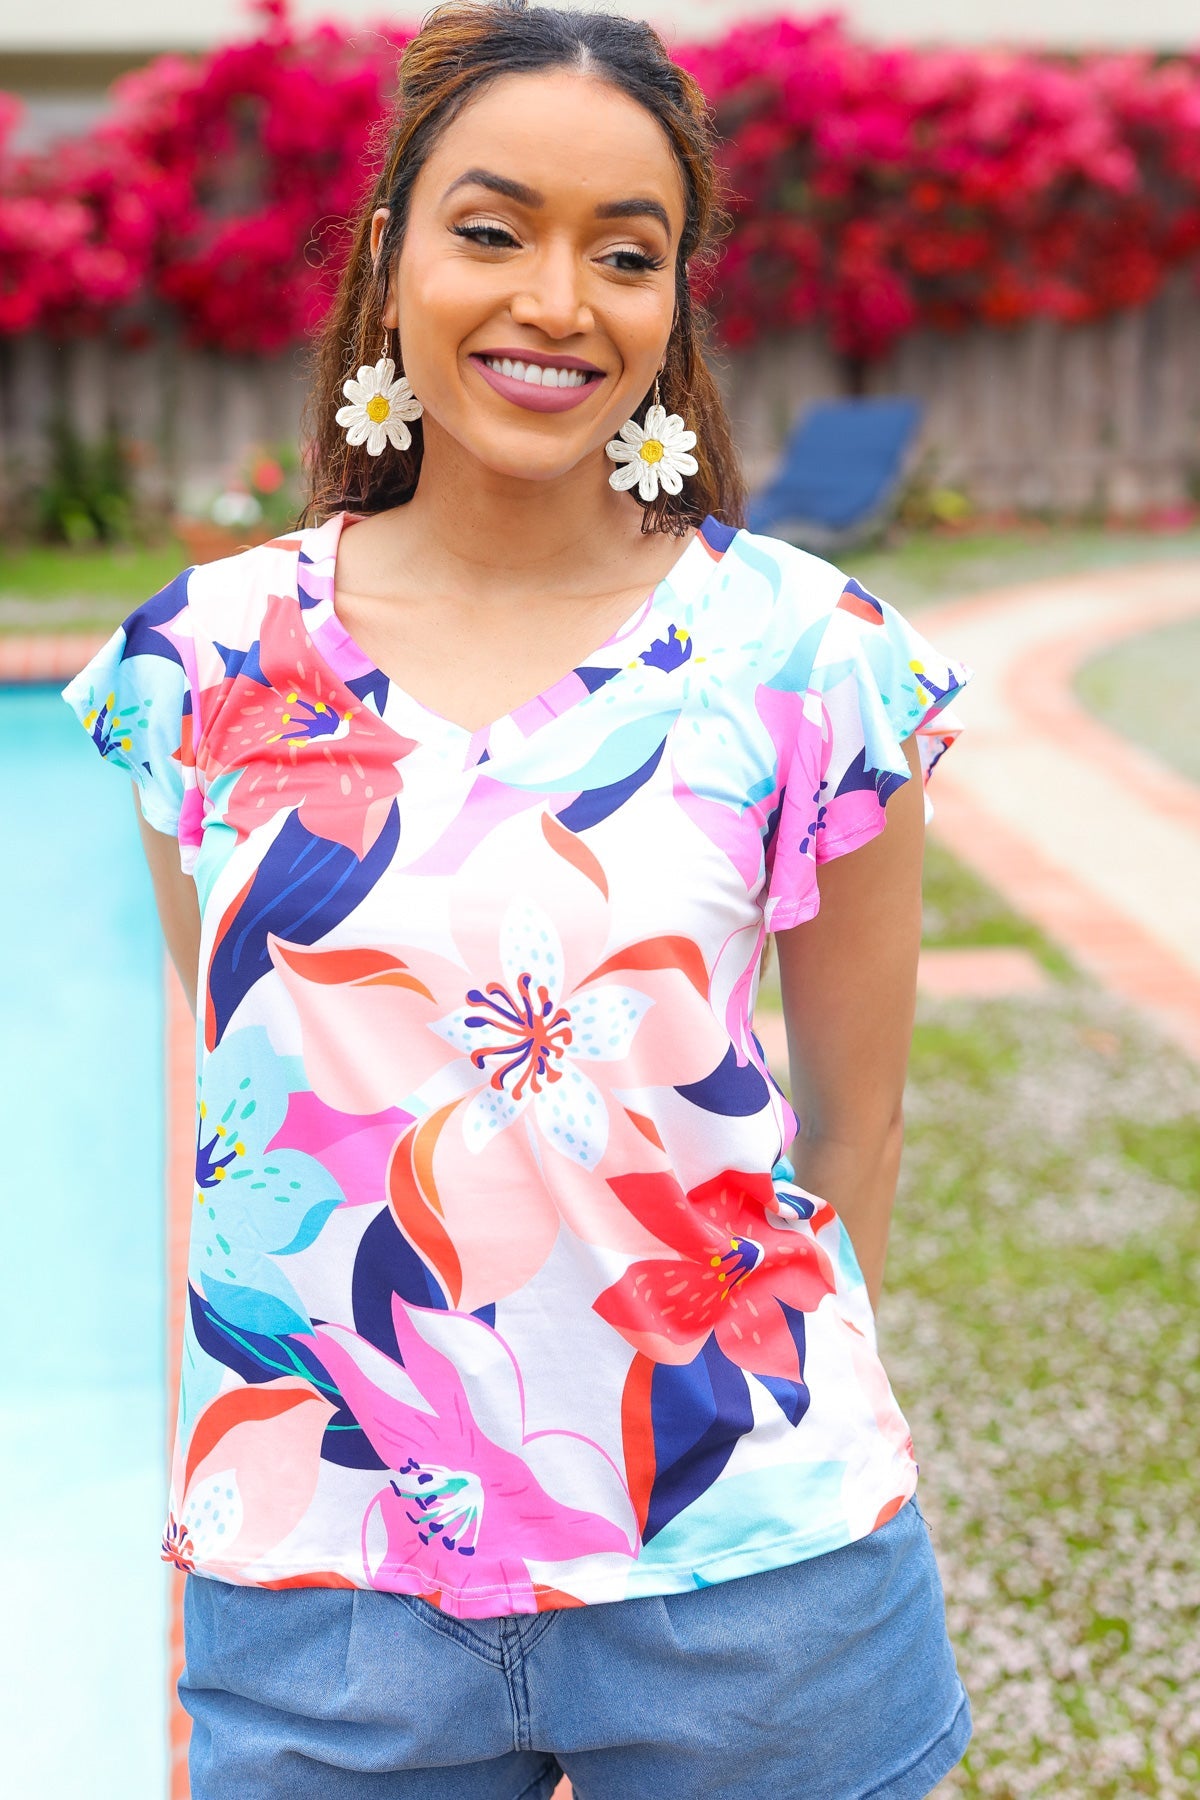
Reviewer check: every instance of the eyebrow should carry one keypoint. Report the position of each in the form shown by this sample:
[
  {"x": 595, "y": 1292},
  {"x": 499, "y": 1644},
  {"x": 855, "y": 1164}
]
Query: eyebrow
[
  {"x": 635, "y": 209},
  {"x": 638, "y": 208},
  {"x": 498, "y": 184}
]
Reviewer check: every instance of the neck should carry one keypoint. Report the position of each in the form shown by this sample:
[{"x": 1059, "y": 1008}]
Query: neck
[{"x": 498, "y": 532}]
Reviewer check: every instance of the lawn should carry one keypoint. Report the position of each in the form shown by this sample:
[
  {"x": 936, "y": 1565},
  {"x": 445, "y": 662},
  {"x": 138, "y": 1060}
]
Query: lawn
[
  {"x": 1041, "y": 1330},
  {"x": 43, "y": 588},
  {"x": 1147, "y": 688}
]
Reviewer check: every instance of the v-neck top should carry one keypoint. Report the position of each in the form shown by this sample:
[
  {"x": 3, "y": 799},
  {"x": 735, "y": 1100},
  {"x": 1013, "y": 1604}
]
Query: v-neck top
[
  {"x": 501, "y": 1291},
  {"x": 410, "y": 715}
]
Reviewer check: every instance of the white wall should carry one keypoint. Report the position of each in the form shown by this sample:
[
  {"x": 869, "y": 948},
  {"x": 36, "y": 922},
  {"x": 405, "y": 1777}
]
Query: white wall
[{"x": 156, "y": 24}]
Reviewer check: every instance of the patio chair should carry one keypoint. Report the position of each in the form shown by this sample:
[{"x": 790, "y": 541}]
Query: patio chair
[{"x": 839, "y": 474}]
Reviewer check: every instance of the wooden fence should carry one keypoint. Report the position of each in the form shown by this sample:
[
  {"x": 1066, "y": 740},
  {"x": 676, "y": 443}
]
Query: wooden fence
[{"x": 1065, "y": 419}]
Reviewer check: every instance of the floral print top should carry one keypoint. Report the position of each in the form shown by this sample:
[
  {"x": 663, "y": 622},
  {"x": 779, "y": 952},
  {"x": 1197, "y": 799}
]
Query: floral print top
[{"x": 501, "y": 1292}]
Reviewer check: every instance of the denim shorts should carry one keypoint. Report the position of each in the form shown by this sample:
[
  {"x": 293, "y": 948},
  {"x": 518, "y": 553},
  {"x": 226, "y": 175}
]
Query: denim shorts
[{"x": 828, "y": 1679}]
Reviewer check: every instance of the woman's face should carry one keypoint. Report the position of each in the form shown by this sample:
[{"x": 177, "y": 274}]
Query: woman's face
[{"x": 542, "y": 233}]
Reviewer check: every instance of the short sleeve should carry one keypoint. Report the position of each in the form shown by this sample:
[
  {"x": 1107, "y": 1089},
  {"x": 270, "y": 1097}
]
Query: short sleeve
[
  {"x": 872, "y": 681},
  {"x": 134, "y": 700}
]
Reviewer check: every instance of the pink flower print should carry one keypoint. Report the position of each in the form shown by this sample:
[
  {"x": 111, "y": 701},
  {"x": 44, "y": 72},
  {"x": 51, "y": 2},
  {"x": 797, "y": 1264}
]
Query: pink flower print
[
  {"x": 536, "y": 1041},
  {"x": 464, "y": 1513},
  {"x": 743, "y": 1258},
  {"x": 300, "y": 739},
  {"x": 514, "y": 1057}
]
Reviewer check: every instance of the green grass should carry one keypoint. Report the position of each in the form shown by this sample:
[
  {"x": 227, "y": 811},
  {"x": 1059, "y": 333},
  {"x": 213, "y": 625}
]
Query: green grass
[
  {"x": 1147, "y": 688},
  {"x": 1040, "y": 1328},
  {"x": 46, "y": 588},
  {"x": 961, "y": 910}
]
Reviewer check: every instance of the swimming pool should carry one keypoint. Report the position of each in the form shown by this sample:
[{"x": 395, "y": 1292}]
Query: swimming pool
[{"x": 83, "y": 1663}]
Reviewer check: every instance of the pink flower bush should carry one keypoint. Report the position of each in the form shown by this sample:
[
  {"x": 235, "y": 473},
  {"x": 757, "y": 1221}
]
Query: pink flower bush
[{"x": 872, "y": 188}]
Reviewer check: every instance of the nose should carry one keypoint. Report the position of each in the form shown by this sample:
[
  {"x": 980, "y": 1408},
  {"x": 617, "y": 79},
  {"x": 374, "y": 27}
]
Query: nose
[{"x": 553, "y": 298}]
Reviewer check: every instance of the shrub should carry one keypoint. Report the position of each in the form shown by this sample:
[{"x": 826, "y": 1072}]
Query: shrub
[{"x": 872, "y": 189}]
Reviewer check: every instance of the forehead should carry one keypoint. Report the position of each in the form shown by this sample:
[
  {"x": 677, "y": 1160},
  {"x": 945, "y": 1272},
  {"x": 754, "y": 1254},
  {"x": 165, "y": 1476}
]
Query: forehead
[{"x": 573, "y": 137}]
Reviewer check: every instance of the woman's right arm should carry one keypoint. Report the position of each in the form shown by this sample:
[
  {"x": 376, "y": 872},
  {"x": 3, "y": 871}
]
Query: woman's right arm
[{"x": 178, "y": 907}]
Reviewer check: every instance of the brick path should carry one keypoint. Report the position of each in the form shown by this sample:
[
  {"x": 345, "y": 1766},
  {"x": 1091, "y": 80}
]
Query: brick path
[{"x": 1084, "y": 833}]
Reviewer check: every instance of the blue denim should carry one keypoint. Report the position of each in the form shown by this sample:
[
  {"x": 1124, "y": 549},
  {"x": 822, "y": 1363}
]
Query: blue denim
[{"x": 828, "y": 1679}]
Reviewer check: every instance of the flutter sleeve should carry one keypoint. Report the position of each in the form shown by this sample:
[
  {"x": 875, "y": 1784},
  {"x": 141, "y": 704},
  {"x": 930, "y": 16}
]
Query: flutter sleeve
[
  {"x": 135, "y": 701},
  {"x": 862, "y": 684}
]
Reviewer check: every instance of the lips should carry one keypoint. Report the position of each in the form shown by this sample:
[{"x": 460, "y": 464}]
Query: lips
[{"x": 538, "y": 382}]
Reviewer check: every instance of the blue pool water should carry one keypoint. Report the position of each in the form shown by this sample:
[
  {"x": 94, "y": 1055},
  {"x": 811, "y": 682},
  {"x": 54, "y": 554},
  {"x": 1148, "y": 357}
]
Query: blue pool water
[{"x": 83, "y": 1654}]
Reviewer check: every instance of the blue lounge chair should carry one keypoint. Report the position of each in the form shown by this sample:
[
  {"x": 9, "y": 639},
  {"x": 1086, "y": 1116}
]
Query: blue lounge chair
[{"x": 839, "y": 474}]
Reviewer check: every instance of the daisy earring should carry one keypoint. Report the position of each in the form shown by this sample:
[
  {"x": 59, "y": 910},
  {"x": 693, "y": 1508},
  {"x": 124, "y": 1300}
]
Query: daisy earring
[
  {"x": 653, "y": 455},
  {"x": 380, "y": 404}
]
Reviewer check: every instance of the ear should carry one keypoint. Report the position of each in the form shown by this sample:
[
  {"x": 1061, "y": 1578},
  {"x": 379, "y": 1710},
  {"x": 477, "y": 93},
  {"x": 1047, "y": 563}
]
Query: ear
[{"x": 379, "y": 219}]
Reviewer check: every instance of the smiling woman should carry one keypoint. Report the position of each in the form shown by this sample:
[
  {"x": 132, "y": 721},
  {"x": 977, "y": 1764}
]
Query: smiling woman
[{"x": 531, "y": 1418}]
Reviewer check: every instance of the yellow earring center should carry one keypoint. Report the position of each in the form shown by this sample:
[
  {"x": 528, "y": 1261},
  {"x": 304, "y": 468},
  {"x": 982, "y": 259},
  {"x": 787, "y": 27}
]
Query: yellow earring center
[
  {"x": 651, "y": 451},
  {"x": 378, "y": 409}
]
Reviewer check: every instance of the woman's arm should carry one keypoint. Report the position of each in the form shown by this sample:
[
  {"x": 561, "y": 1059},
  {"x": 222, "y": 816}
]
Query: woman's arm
[
  {"x": 849, "y": 982},
  {"x": 178, "y": 907}
]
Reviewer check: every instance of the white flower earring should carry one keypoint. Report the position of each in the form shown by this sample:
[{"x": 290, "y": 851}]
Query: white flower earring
[
  {"x": 653, "y": 455},
  {"x": 380, "y": 403}
]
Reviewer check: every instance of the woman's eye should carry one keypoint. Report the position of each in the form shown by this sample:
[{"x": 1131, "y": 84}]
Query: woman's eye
[
  {"x": 488, "y": 237},
  {"x": 633, "y": 262}
]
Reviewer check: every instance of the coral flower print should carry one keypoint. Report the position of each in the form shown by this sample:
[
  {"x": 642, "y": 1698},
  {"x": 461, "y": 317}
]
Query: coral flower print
[
  {"x": 653, "y": 457},
  {"x": 743, "y": 1260},
  {"x": 298, "y": 738},
  {"x": 380, "y": 402},
  {"x": 463, "y": 1508}
]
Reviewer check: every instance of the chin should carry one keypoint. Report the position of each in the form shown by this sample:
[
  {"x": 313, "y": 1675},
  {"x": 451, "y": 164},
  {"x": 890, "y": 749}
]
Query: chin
[{"x": 528, "y": 466}]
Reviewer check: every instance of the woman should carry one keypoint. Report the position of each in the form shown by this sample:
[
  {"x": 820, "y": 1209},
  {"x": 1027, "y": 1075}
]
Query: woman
[{"x": 531, "y": 1419}]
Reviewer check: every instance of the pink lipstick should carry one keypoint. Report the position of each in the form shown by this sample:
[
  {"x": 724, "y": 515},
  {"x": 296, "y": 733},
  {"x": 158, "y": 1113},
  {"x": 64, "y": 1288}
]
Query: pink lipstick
[{"x": 505, "y": 372}]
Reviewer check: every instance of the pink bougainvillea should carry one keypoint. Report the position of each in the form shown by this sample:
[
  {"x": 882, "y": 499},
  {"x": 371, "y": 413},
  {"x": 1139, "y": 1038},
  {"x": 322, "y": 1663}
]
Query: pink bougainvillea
[{"x": 872, "y": 189}]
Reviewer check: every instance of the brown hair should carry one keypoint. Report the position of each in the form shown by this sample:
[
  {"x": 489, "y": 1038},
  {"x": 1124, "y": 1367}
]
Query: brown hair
[{"x": 461, "y": 47}]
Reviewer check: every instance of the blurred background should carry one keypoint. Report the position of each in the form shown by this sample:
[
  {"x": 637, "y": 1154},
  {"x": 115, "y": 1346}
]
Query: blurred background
[{"x": 957, "y": 320}]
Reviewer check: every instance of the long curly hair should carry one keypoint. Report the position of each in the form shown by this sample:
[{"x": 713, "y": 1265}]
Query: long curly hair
[{"x": 461, "y": 47}]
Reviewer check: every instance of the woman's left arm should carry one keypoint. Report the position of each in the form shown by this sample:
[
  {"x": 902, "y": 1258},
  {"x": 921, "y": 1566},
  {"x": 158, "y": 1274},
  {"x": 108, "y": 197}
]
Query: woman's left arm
[{"x": 849, "y": 983}]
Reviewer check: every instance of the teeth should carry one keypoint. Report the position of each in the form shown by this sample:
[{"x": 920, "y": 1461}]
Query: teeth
[{"x": 535, "y": 374}]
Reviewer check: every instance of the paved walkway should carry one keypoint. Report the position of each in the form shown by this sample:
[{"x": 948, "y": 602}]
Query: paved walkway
[{"x": 1091, "y": 837}]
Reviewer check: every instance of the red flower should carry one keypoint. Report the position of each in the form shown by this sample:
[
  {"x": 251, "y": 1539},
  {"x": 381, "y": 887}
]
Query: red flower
[
  {"x": 743, "y": 1260},
  {"x": 282, "y": 735}
]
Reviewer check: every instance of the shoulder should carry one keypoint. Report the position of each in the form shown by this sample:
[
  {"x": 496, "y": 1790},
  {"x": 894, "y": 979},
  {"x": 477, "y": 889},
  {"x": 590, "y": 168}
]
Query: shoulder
[
  {"x": 799, "y": 586},
  {"x": 799, "y": 608},
  {"x": 229, "y": 602}
]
